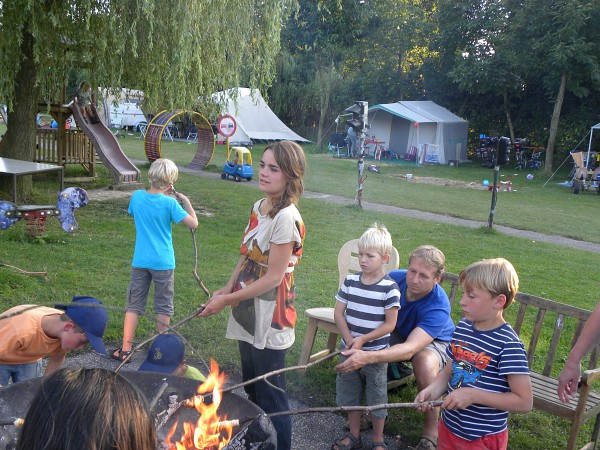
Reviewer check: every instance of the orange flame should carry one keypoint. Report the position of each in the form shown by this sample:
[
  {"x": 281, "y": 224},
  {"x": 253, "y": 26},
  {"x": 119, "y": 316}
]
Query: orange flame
[{"x": 211, "y": 431}]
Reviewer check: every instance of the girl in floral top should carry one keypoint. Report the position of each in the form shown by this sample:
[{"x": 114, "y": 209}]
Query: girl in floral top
[{"x": 261, "y": 288}]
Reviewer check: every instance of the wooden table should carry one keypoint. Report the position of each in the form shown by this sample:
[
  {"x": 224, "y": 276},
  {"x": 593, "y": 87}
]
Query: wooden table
[{"x": 16, "y": 167}]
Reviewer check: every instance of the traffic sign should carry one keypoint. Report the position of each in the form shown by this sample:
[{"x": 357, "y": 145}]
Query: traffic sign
[{"x": 226, "y": 126}]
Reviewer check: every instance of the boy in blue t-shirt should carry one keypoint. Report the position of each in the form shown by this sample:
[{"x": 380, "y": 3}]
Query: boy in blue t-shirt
[
  {"x": 489, "y": 374},
  {"x": 366, "y": 310},
  {"x": 153, "y": 211}
]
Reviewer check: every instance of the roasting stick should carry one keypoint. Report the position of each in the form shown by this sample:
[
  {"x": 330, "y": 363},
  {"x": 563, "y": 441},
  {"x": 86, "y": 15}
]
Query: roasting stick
[{"x": 189, "y": 402}]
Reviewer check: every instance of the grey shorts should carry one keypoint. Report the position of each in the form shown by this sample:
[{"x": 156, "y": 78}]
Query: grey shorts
[
  {"x": 139, "y": 286},
  {"x": 372, "y": 379},
  {"x": 438, "y": 348}
]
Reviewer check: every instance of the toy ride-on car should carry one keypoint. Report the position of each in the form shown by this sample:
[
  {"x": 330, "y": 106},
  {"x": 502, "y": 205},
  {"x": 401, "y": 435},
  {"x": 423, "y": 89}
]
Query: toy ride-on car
[{"x": 240, "y": 166}]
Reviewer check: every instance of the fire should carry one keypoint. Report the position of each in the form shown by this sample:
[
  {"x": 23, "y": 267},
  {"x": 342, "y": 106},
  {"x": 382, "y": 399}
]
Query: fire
[{"x": 211, "y": 431}]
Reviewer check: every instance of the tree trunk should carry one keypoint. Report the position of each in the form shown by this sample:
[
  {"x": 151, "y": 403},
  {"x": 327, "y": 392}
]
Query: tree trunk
[
  {"x": 511, "y": 125},
  {"x": 20, "y": 138},
  {"x": 554, "y": 125},
  {"x": 324, "y": 78}
]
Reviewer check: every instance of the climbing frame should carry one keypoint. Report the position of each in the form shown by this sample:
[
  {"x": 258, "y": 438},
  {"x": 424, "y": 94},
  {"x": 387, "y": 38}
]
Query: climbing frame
[{"x": 205, "y": 138}]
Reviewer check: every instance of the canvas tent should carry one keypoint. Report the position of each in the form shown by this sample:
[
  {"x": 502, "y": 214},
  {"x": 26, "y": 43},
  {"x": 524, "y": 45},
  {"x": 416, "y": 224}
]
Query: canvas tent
[
  {"x": 597, "y": 129},
  {"x": 255, "y": 121},
  {"x": 438, "y": 135}
]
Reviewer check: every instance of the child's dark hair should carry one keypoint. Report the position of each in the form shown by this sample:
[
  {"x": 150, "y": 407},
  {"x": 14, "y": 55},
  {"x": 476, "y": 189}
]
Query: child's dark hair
[
  {"x": 290, "y": 158},
  {"x": 496, "y": 276}
]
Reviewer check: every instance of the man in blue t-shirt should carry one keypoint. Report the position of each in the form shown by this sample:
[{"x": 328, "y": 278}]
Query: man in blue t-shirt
[{"x": 423, "y": 329}]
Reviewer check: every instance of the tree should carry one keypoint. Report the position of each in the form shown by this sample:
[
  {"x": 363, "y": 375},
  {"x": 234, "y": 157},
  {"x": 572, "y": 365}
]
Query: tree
[
  {"x": 563, "y": 47},
  {"x": 176, "y": 52}
]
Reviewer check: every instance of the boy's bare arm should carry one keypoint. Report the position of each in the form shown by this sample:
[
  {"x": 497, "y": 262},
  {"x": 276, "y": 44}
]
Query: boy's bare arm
[
  {"x": 190, "y": 221},
  {"x": 519, "y": 399},
  {"x": 340, "y": 321},
  {"x": 55, "y": 362},
  {"x": 436, "y": 389}
]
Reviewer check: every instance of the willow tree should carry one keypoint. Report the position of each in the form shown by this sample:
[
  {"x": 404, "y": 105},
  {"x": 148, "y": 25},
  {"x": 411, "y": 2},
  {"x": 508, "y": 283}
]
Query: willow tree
[{"x": 176, "y": 52}]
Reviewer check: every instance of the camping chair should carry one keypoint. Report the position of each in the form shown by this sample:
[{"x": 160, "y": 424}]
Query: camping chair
[
  {"x": 339, "y": 142},
  {"x": 322, "y": 318}
]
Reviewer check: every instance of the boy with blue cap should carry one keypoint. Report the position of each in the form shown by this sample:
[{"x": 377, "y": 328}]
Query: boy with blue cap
[
  {"x": 166, "y": 355},
  {"x": 28, "y": 333}
]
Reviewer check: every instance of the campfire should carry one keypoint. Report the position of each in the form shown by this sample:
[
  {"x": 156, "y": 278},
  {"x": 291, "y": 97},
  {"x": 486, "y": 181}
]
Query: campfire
[{"x": 211, "y": 431}]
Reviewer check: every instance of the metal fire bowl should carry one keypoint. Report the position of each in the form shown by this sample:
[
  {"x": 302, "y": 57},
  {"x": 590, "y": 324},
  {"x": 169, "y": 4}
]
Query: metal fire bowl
[{"x": 16, "y": 398}]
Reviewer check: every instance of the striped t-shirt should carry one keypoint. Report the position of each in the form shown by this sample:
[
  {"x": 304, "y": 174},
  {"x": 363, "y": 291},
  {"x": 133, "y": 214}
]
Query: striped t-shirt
[
  {"x": 366, "y": 305},
  {"x": 482, "y": 360}
]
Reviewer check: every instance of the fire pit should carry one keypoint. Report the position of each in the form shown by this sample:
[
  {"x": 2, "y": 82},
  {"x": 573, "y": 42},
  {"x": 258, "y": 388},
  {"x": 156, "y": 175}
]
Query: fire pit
[{"x": 254, "y": 432}]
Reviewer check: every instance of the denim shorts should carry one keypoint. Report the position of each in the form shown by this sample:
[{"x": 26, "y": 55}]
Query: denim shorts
[
  {"x": 19, "y": 372},
  {"x": 139, "y": 286}
]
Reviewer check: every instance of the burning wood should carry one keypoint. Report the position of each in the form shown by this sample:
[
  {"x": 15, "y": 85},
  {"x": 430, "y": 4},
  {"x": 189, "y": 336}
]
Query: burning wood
[{"x": 211, "y": 431}]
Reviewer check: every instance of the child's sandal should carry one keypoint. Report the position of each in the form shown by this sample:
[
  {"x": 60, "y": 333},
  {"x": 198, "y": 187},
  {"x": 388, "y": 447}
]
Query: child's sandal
[{"x": 120, "y": 355}]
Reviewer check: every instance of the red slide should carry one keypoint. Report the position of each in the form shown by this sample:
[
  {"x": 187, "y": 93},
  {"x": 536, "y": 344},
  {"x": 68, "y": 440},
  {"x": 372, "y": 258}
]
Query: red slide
[{"x": 107, "y": 148}]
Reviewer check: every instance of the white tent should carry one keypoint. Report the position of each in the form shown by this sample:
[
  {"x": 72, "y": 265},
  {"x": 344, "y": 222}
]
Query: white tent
[
  {"x": 254, "y": 119},
  {"x": 438, "y": 135},
  {"x": 597, "y": 128}
]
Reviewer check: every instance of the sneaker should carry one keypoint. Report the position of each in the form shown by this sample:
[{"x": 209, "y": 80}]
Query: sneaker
[{"x": 398, "y": 371}]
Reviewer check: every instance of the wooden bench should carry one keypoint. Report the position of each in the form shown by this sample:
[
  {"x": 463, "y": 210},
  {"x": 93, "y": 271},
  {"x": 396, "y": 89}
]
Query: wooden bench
[{"x": 555, "y": 324}]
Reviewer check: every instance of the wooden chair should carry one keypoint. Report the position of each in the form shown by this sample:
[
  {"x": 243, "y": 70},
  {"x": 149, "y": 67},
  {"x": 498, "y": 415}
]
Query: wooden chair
[{"x": 322, "y": 318}]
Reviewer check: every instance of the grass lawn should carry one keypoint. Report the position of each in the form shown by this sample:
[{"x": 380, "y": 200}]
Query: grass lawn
[{"x": 96, "y": 260}]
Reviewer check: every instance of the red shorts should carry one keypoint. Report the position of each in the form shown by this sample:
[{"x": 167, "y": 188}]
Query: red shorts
[{"x": 449, "y": 441}]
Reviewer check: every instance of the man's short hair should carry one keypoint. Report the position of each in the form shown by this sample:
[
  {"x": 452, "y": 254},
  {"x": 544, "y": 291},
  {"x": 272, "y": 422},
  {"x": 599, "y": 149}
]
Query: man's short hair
[
  {"x": 431, "y": 256},
  {"x": 496, "y": 276},
  {"x": 376, "y": 238},
  {"x": 162, "y": 172}
]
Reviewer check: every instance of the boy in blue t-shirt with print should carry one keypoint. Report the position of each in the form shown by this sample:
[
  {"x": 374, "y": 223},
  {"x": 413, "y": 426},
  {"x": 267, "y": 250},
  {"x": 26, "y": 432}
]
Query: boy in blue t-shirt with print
[
  {"x": 153, "y": 212},
  {"x": 366, "y": 310},
  {"x": 489, "y": 374}
]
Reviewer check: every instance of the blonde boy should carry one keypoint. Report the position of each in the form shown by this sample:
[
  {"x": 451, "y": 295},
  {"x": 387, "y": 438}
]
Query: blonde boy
[
  {"x": 366, "y": 311},
  {"x": 153, "y": 212},
  {"x": 489, "y": 375}
]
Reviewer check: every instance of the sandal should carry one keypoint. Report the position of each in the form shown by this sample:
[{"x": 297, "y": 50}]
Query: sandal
[
  {"x": 381, "y": 444},
  {"x": 427, "y": 443},
  {"x": 121, "y": 355},
  {"x": 354, "y": 444}
]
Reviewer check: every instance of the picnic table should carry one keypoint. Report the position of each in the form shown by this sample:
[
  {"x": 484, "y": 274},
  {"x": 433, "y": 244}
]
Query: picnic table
[{"x": 16, "y": 168}]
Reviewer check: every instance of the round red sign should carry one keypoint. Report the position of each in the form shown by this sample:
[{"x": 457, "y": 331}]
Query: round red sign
[{"x": 226, "y": 126}]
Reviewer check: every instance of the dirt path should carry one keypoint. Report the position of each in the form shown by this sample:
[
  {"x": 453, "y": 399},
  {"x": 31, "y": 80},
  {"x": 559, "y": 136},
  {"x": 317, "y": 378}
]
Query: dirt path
[{"x": 101, "y": 194}]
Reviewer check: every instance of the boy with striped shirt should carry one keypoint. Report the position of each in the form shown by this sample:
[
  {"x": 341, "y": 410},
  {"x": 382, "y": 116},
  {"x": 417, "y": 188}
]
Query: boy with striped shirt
[
  {"x": 489, "y": 374},
  {"x": 366, "y": 310}
]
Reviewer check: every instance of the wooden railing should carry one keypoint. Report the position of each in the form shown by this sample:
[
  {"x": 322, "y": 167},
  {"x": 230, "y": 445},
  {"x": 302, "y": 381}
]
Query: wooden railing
[{"x": 77, "y": 149}]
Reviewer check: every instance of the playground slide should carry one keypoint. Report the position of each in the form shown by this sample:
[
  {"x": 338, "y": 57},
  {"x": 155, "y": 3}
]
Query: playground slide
[{"x": 107, "y": 148}]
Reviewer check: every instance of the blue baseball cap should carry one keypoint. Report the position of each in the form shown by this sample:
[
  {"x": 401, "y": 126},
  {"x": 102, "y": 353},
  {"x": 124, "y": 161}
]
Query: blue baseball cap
[
  {"x": 165, "y": 355},
  {"x": 92, "y": 320}
]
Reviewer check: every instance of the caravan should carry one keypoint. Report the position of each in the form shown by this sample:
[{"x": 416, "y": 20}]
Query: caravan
[{"x": 126, "y": 115}]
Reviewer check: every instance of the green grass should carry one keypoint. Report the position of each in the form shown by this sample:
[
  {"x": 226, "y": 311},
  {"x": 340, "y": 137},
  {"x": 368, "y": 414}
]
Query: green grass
[{"x": 96, "y": 260}]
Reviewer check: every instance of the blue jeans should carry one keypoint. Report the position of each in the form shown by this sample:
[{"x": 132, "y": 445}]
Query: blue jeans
[
  {"x": 19, "y": 372},
  {"x": 257, "y": 362}
]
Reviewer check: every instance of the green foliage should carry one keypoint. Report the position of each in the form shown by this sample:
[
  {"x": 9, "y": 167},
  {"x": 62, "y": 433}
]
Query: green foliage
[{"x": 175, "y": 52}]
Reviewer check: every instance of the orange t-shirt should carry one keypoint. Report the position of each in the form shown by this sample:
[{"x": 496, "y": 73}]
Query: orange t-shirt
[{"x": 22, "y": 339}]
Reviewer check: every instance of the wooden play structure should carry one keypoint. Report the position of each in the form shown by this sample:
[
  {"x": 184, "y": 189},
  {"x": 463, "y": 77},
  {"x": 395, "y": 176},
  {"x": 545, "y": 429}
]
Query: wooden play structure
[
  {"x": 205, "y": 137},
  {"x": 63, "y": 146},
  {"x": 73, "y": 147}
]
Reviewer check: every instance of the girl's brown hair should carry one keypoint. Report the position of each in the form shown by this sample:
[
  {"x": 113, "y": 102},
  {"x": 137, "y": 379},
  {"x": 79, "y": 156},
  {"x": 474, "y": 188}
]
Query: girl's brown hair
[
  {"x": 94, "y": 409},
  {"x": 290, "y": 158}
]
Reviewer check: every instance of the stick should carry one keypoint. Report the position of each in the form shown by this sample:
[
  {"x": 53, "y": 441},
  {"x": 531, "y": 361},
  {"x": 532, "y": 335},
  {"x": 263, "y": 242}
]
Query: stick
[
  {"x": 151, "y": 338},
  {"x": 16, "y": 422},
  {"x": 190, "y": 401},
  {"x": 23, "y": 271},
  {"x": 194, "y": 271}
]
